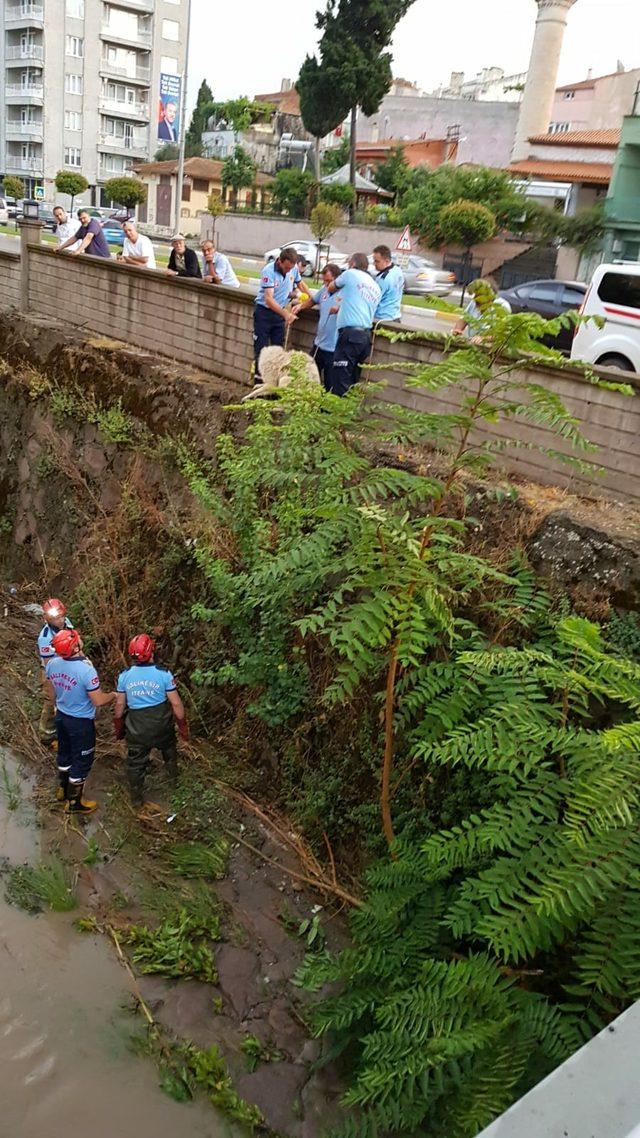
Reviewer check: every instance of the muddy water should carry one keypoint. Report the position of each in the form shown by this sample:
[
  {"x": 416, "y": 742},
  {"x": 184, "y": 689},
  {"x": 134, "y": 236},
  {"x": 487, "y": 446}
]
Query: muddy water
[{"x": 65, "y": 1068}]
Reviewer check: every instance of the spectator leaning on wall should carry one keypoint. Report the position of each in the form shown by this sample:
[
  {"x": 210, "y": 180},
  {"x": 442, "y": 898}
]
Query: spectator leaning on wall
[
  {"x": 183, "y": 262},
  {"x": 90, "y": 236},
  {"x": 216, "y": 268},
  {"x": 137, "y": 249}
]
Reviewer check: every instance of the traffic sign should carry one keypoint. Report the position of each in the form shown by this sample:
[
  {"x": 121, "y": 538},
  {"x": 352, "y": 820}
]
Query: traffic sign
[
  {"x": 404, "y": 244},
  {"x": 38, "y": 193}
]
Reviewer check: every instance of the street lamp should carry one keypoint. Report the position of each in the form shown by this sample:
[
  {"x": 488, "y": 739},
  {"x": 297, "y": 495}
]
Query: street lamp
[
  {"x": 183, "y": 126},
  {"x": 31, "y": 210}
]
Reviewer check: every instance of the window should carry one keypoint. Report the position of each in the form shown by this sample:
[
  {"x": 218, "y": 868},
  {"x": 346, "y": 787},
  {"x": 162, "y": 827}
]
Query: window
[
  {"x": 72, "y": 156},
  {"x": 75, "y": 8},
  {"x": 201, "y": 185},
  {"x": 559, "y": 127},
  {"x": 75, "y": 46},
  {"x": 569, "y": 94},
  {"x": 72, "y": 120},
  {"x": 572, "y": 297},
  {"x": 620, "y": 288},
  {"x": 73, "y": 84},
  {"x": 170, "y": 30},
  {"x": 545, "y": 293},
  {"x": 169, "y": 64}
]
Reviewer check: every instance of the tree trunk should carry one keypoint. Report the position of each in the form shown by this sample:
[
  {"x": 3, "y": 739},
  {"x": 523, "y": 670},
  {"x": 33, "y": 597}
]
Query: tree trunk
[
  {"x": 316, "y": 158},
  {"x": 352, "y": 158}
]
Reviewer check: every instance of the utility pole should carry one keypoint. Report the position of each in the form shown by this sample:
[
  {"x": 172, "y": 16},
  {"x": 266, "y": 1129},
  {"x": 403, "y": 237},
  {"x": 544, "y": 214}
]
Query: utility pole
[{"x": 183, "y": 126}]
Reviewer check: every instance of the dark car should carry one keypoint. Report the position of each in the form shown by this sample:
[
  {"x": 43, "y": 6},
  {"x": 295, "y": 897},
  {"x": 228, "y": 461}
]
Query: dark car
[
  {"x": 46, "y": 217},
  {"x": 548, "y": 299}
]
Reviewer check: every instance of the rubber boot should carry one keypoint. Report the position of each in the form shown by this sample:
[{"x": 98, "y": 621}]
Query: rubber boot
[
  {"x": 61, "y": 792},
  {"x": 75, "y": 802},
  {"x": 136, "y": 786},
  {"x": 171, "y": 767}
]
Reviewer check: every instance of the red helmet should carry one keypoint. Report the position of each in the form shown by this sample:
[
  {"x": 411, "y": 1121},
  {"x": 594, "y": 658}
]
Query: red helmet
[
  {"x": 141, "y": 648},
  {"x": 65, "y": 642},
  {"x": 54, "y": 608}
]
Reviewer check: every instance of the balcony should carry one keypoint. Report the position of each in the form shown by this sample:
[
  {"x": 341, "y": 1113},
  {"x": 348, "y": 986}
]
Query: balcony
[
  {"x": 22, "y": 165},
  {"x": 139, "y": 112},
  {"x": 137, "y": 5},
  {"x": 113, "y": 71},
  {"x": 110, "y": 171},
  {"x": 18, "y": 95},
  {"x": 16, "y": 131},
  {"x": 140, "y": 39},
  {"x": 137, "y": 144},
  {"x": 24, "y": 53},
  {"x": 24, "y": 16}
]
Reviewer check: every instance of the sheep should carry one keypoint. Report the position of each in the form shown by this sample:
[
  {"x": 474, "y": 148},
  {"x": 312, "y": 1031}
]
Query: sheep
[{"x": 276, "y": 369}]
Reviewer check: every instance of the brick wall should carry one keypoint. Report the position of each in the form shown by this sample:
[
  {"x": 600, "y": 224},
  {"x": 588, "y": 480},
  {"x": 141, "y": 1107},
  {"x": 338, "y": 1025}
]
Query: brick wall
[
  {"x": 9, "y": 279},
  {"x": 211, "y": 328}
]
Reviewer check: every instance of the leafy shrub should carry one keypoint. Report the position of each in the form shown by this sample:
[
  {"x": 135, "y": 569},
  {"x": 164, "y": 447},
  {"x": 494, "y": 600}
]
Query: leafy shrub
[{"x": 178, "y": 947}]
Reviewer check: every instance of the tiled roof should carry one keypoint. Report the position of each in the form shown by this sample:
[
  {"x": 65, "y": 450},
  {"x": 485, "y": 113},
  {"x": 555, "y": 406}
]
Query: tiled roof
[
  {"x": 288, "y": 102},
  {"x": 590, "y": 173},
  {"x": 605, "y": 138},
  {"x": 206, "y": 168},
  {"x": 585, "y": 84}
]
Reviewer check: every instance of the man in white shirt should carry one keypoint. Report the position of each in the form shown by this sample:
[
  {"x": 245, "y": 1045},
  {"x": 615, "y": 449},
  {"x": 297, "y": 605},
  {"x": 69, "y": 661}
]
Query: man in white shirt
[
  {"x": 216, "y": 268},
  {"x": 66, "y": 227},
  {"x": 137, "y": 249}
]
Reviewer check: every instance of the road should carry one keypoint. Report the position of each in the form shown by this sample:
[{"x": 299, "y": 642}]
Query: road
[{"x": 413, "y": 316}]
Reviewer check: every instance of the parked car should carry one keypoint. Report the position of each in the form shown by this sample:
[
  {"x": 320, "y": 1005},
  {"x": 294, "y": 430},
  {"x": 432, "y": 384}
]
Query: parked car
[
  {"x": 309, "y": 250},
  {"x": 614, "y": 296},
  {"x": 47, "y": 218},
  {"x": 548, "y": 298},
  {"x": 14, "y": 207},
  {"x": 422, "y": 277},
  {"x": 4, "y": 211},
  {"x": 113, "y": 231}
]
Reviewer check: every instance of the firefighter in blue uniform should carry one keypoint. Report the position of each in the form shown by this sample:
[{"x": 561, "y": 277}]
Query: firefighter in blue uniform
[
  {"x": 390, "y": 279},
  {"x": 148, "y": 708},
  {"x": 278, "y": 281},
  {"x": 56, "y": 618},
  {"x": 73, "y": 684}
]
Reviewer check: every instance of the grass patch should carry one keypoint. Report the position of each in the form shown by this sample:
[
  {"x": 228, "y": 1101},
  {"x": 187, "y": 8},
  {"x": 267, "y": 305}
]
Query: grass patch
[
  {"x": 256, "y": 1052},
  {"x": 195, "y": 859},
  {"x": 34, "y": 888},
  {"x": 9, "y": 786}
]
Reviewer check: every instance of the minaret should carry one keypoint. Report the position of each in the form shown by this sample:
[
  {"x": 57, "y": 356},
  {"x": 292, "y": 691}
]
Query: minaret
[{"x": 539, "y": 92}]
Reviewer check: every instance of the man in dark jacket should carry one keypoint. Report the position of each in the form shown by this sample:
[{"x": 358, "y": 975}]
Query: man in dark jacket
[
  {"x": 147, "y": 704},
  {"x": 183, "y": 262}
]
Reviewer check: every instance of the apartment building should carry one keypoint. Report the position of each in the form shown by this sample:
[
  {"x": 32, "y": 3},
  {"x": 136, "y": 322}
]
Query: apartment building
[{"x": 80, "y": 82}]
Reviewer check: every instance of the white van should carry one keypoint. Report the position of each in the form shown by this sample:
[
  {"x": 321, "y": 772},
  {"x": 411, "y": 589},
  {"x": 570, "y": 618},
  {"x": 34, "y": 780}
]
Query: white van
[{"x": 614, "y": 295}]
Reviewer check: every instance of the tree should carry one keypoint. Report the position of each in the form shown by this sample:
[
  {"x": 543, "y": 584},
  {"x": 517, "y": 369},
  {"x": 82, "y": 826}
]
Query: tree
[
  {"x": 340, "y": 193},
  {"x": 321, "y": 103},
  {"x": 353, "y": 55},
  {"x": 430, "y": 190},
  {"x": 583, "y": 231},
  {"x": 128, "y": 192},
  {"x": 290, "y": 191},
  {"x": 394, "y": 174},
  {"x": 240, "y": 114},
  {"x": 467, "y": 224},
  {"x": 324, "y": 220},
  {"x": 199, "y": 118},
  {"x": 336, "y": 156},
  {"x": 238, "y": 172},
  {"x": 215, "y": 209},
  {"x": 66, "y": 182},
  {"x": 14, "y": 188},
  {"x": 170, "y": 152}
]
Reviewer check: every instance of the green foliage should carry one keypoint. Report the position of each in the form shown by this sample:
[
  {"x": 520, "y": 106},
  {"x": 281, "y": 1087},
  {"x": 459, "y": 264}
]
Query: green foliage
[
  {"x": 194, "y": 859},
  {"x": 241, "y": 114},
  {"x": 446, "y": 1028},
  {"x": 199, "y": 117},
  {"x": 583, "y": 231},
  {"x": 168, "y": 152},
  {"x": 466, "y": 223},
  {"x": 432, "y": 190},
  {"x": 290, "y": 191},
  {"x": 13, "y": 187},
  {"x": 67, "y": 182},
  {"x": 128, "y": 192},
  {"x": 336, "y": 156},
  {"x": 178, "y": 947},
  {"x": 257, "y": 1052},
  {"x": 35, "y": 888},
  {"x": 238, "y": 171},
  {"x": 340, "y": 194},
  {"x": 324, "y": 220},
  {"x": 9, "y": 786},
  {"x": 394, "y": 174},
  {"x": 92, "y": 856}
]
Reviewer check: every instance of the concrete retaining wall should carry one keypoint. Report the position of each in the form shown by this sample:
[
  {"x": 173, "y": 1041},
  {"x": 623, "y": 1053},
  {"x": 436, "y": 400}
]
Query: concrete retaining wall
[
  {"x": 9, "y": 279},
  {"x": 210, "y": 328}
]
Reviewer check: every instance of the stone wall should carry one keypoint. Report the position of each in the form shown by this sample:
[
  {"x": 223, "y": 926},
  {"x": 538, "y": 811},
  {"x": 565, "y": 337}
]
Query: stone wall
[
  {"x": 9, "y": 279},
  {"x": 211, "y": 329}
]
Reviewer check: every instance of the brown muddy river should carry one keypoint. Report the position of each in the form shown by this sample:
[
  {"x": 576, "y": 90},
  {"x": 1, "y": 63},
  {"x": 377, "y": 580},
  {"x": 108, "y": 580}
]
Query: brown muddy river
[{"x": 65, "y": 1067}]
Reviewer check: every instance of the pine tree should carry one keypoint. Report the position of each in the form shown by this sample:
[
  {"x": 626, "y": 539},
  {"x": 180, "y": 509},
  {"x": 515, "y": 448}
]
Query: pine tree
[{"x": 201, "y": 112}]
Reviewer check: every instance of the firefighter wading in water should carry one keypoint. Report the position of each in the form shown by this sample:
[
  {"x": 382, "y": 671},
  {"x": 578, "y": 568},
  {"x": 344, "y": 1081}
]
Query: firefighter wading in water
[{"x": 147, "y": 704}]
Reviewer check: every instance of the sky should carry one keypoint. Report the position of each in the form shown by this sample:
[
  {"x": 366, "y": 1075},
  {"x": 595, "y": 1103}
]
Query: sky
[{"x": 244, "y": 47}]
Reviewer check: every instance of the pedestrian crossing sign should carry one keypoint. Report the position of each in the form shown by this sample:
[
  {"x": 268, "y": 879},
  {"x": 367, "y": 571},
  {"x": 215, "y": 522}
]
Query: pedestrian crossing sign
[{"x": 404, "y": 244}]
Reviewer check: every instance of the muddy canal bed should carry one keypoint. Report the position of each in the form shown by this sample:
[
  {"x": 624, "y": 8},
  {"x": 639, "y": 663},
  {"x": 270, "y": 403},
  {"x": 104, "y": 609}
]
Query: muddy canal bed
[{"x": 65, "y": 1025}]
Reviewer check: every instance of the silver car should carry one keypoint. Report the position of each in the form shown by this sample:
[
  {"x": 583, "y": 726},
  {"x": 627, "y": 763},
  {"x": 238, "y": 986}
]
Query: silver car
[{"x": 422, "y": 277}]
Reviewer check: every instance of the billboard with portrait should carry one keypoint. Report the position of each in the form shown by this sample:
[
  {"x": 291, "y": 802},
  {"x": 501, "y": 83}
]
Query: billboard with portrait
[{"x": 169, "y": 108}]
